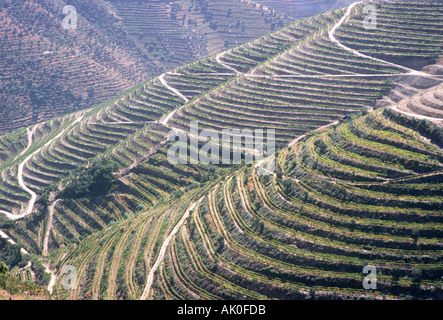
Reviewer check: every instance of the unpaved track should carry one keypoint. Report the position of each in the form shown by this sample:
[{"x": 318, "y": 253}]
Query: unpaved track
[
  {"x": 22, "y": 184},
  {"x": 357, "y": 53},
  {"x": 49, "y": 227},
  {"x": 418, "y": 116},
  {"x": 161, "y": 255},
  {"x": 53, "y": 278},
  {"x": 178, "y": 93},
  {"x": 221, "y": 54},
  {"x": 166, "y": 119},
  {"x": 30, "y": 134}
]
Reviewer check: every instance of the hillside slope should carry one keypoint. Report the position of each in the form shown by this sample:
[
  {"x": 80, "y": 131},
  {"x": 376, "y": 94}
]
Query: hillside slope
[
  {"x": 296, "y": 80},
  {"x": 300, "y": 9},
  {"x": 48, "y": 71},
  {"x": 176, "y": 32},
  {"x": 426, "y": 105},
  {"x": 364, "y": 192}
]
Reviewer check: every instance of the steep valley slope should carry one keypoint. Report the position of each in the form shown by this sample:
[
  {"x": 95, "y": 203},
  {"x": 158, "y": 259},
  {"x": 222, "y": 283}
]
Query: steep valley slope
[
  {"x": 357, "y": 182},
  {"x": 48, "y": 71}
]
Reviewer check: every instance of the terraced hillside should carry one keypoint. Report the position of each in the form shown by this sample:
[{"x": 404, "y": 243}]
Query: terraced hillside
[
  {"x": 426, "y": 105},
  {"x": 399, "y": 32},
  {"x": 318, "y": 78},
  {"x": 300, "y": 9},
  {"x": 328, "y": 211},
  {"x": 176, "y": 32},
  {"x": 13, "y": 289},
  {"x": 364, "y": 192},
  {"x": 48, "y": 71}
]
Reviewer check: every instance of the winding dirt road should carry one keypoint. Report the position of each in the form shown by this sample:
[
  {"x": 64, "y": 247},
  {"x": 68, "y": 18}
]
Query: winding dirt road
[
  {"x": 31, "y": 203},
  {"x": 53, "y": 278},
  {"x": 418, "y": 116},
  {"x": 221, "y": 54},
  {"x": 49, "y": 227},
  {"x": 357, "y": 53},
  {"x": 166, "y": 119},
  {"x": 30, "y": 134},
  {"x": 164, "y": 247},
  {"x": 178, "y": 93}
]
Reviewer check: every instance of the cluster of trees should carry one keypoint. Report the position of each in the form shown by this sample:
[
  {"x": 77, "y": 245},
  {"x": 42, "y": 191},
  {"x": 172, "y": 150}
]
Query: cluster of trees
[
  {"x": 97, "y": 179},
  {"x": 11, "y": 256},
  {"x": 4, "y": 276},
  {"x": 42, "y": 278}
]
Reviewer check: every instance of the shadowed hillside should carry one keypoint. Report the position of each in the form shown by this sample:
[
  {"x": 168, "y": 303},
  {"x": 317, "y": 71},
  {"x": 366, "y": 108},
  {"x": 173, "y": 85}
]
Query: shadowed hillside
[
  {"x": 48, "y": 71},
  {"x": 300, "y": 9},
  {"x": 175, "y": 32}
]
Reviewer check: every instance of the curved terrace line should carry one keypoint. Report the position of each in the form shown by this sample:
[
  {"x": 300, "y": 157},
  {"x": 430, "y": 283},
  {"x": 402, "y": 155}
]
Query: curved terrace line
[
  {"x": 418, "y": 116},
  {"x": 221, "y": 54},
  {"x": 48, "y": 230},
  {"x": 31, "y": 203},
  {"x": 357, "y": 53},
  {"x": 164, "y": 247},
  {"x": 166, "y": 119}
]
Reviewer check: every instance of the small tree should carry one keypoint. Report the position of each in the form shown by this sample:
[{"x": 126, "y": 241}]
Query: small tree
[
  {"x": 257, "y": 205},
  {"x": 3, "y": 268},
  {"x": 415, "y": 235},
  {"x": 261, "y": 227}
]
